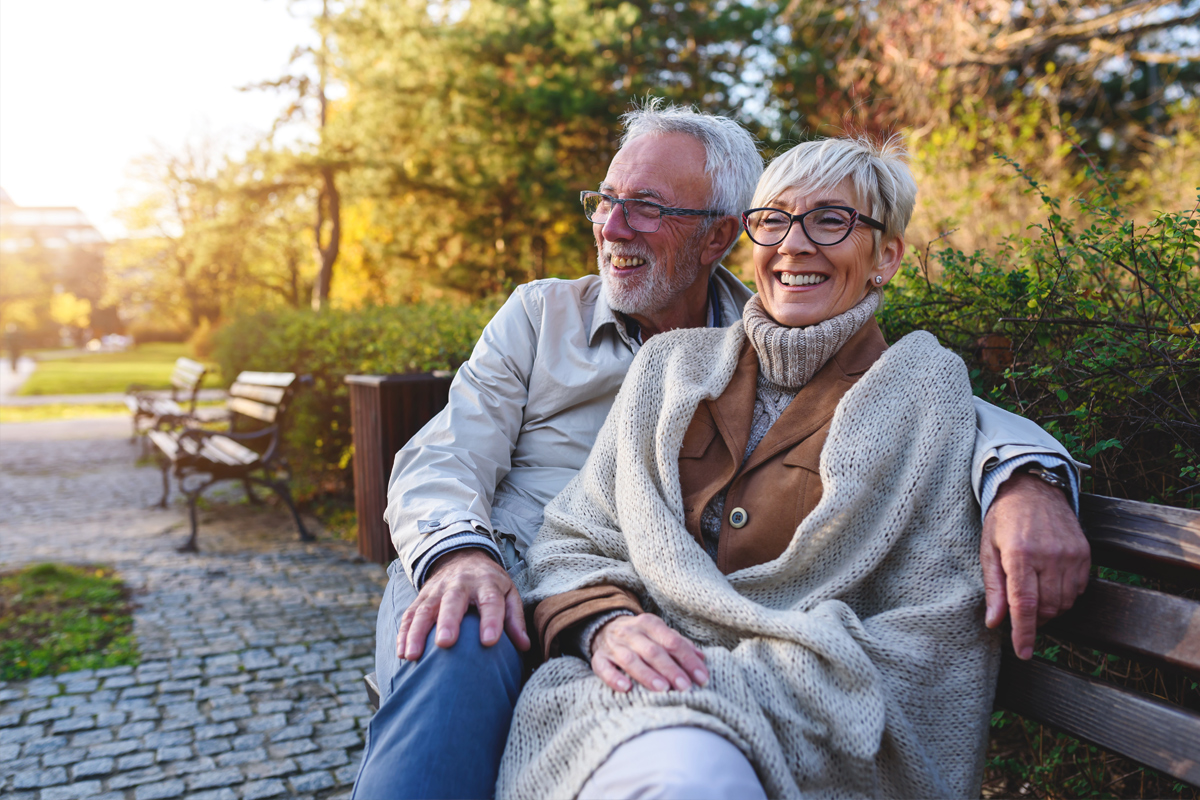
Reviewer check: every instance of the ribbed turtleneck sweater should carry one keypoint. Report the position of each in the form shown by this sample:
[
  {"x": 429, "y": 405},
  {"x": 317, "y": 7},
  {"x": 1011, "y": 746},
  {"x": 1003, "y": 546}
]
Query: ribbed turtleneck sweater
[{"x": 787, "y": 360}]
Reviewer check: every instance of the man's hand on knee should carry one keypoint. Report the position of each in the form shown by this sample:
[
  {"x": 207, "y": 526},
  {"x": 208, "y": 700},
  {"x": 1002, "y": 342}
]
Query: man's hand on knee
[
  {"x": 1035, "y": 557},
  {"x": 645, "y": 649},
  {"x": 455, "y": 582}
]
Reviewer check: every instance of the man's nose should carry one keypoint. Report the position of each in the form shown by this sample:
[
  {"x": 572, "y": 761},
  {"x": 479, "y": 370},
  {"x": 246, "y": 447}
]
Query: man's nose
[{"x": 615, "y": 228}]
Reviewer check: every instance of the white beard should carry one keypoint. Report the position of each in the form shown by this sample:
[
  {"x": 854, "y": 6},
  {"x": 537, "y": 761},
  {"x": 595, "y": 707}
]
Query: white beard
[{"x": 653, "y": 290}]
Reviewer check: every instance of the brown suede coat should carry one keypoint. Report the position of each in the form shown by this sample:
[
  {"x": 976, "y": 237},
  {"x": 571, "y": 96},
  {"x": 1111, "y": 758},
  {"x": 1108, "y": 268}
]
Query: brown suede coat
[{"x": 776, "y": 488}]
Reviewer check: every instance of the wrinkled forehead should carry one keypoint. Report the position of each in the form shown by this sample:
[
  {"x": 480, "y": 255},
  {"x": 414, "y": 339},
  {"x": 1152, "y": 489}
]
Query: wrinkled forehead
[
  {"x": 815, "y": 192},
  {"x": 666, "y": 168}
]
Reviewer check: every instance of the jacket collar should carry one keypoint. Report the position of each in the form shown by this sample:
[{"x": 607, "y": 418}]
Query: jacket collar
[
  {"x": 814, "y": 405},
  {"x": 731, "y": 295}
]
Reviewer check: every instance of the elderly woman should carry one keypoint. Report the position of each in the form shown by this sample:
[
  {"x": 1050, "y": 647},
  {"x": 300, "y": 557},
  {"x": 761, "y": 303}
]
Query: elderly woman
[{"x": 770, "y": 559}]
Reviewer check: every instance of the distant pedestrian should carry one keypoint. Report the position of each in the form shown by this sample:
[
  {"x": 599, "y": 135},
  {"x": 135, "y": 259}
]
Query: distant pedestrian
[{"x": 12, "y": 342}]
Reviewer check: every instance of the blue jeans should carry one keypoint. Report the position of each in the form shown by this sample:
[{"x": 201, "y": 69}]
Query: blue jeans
[{"x": 442, "y": 720}]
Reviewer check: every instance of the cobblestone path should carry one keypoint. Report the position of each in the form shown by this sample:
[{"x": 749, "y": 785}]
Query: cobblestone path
[{"x": 253, "y": 652}]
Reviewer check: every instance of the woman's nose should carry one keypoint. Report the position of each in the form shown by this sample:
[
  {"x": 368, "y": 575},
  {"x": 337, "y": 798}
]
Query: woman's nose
[{"x": 797, "y": 242}]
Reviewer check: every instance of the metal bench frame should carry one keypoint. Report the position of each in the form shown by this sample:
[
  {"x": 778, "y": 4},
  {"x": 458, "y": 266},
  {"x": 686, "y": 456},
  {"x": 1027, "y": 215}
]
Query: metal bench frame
[
  {"x": 199, "y": 458},
  {"x": 152, "y": 411}
]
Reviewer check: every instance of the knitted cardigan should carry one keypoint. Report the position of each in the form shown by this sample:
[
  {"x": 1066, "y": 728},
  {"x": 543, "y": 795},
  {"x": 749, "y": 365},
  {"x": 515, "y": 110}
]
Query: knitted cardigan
[{"x": 854, "y": 665}]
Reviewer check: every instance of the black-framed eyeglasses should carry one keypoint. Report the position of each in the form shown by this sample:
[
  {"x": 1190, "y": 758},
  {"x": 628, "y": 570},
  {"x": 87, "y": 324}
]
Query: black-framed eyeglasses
[
  {"x": 824, "y": 225},
  {"x": 640, "y": 215}
]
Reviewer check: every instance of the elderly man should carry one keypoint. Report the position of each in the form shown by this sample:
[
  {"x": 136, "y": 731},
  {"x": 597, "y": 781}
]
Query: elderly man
[{"x": 467, "y": 493}]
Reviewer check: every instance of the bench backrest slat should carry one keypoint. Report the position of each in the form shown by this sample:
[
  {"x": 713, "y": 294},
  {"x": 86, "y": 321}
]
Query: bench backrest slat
[
  {"x": 1164, "y": 737},
  {"x": 187, "y": 375},
  {"x": 253, "y": 408},
  {"x": 1155, "y": 629},
  {"x": 283, "y": 379},
  {"x": 272, "y": 395},
  {"x": 1143, "y": 531},
  {"x": 1141, "y": 621}
]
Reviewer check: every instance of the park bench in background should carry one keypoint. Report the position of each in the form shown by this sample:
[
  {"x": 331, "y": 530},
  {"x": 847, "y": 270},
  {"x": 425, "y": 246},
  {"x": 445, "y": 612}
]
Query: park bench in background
[
  {"x": 248, "y": 450},
  {"x": 1150, "y": 626},
  {"x": 152, "y": 411}
]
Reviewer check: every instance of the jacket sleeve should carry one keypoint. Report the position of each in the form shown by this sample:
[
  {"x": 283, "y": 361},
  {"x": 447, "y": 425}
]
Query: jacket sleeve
[
  {"x": 555, "y": 615},
  {"x": 1003, "y": 438},
  {"x": 443, "y": 481}
]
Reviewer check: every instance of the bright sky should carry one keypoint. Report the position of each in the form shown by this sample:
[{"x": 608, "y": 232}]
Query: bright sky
[{"x": 88, "y": 85}]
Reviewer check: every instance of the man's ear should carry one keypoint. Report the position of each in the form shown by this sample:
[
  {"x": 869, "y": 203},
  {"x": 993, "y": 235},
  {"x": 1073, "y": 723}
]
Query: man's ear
[
  {"x": 720, "y": 238},
  {"x": 891, "y": 253}
]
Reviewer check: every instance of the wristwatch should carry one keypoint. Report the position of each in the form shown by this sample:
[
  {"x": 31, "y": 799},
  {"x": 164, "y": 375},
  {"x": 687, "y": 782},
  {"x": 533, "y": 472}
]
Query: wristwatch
[{"x": 1049, "y": 476}]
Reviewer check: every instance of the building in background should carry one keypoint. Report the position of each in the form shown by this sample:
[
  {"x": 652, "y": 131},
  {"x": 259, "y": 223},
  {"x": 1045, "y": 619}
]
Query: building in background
[
  {"x": 51, "y": 227},
  {"x": 52, "y": 274}
]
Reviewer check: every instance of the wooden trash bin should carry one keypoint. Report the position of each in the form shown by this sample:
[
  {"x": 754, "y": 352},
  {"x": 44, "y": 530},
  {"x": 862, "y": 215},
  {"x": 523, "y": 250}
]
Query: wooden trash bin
[{"x": 385, "y": 412}]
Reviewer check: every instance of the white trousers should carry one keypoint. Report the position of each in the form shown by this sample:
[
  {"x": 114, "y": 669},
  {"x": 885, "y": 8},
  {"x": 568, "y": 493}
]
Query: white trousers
[{"x": 675, "y": 764}]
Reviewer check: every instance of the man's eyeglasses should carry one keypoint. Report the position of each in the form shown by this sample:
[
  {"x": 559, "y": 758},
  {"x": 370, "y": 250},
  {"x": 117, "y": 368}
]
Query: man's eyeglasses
[
  {"x": 640, "y": 215},
  {"x": 824, "y": 226}
]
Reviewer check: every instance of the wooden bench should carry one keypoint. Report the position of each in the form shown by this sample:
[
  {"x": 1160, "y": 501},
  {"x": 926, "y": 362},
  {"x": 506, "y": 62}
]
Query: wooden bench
[
  {"x": 249, "y": 450},
  {"x": 1156, "y": 629},
  {"x": 152, "y": 411},
  {"x": 1151, "y": 626}
]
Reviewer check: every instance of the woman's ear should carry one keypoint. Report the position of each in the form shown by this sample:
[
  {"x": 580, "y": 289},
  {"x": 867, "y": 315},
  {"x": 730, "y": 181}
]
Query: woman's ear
[
  {"x": 891, "y": 253},
  {"x": 720, "y": 238}
]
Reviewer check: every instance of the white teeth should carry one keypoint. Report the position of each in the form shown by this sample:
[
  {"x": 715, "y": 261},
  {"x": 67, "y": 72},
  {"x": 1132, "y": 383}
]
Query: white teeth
[
  {"x": 788, "y": 279},
  {"x": 625, "y": 263}
]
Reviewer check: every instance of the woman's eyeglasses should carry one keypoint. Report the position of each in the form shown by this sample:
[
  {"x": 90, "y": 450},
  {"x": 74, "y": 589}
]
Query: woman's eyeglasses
[{"x": 824, "y": 226}]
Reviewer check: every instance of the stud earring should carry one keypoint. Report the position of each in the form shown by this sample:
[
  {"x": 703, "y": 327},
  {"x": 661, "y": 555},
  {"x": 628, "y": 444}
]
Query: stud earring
[{"x": 878, "y": 279}]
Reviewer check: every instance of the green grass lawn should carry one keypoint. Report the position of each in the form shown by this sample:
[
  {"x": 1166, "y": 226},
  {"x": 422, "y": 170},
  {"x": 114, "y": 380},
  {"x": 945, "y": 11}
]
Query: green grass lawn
[
  {"x": 94, "y": 373},
  {"x": 56, "y": 618}
]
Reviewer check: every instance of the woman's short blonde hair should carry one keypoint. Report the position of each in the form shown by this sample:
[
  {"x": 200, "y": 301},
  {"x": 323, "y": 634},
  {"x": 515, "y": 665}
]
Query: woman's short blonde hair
[{"x": 878, "y": 171}]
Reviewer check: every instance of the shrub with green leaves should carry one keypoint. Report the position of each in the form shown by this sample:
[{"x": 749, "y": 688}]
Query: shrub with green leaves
[
  {"x": 331, "y": 344},
  {"x": 56, "y": 618},
  {"x": 1089, "y": 326}
]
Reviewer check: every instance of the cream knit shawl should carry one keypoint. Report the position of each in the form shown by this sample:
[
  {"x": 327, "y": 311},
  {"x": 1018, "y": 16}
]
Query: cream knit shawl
[{"x": 854, "y": 665}]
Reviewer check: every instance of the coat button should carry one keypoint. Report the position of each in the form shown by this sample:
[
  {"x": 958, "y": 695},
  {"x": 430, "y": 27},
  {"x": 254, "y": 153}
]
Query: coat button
[{"x": 738, "y": 517}]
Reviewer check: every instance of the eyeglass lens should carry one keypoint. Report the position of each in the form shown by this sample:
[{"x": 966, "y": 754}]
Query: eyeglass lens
[
  {"x": 825, "y": 226},
  {"x": 642, "y": 217}
]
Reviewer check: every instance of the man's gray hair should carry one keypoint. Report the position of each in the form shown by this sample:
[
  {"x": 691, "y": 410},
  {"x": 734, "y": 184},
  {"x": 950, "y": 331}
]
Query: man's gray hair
[
  {"x": 877, "y": 169},
  {"x": 731, "y": 162}
]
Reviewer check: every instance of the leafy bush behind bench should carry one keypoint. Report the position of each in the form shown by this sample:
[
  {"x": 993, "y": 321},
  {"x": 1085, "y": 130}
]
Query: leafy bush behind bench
[
  {"x": 332, "y": 344},
  {"x": 1087, "y": 326}
]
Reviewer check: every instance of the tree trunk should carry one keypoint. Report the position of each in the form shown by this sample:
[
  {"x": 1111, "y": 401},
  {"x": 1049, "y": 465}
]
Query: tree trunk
[{"x": 327, "y": 254}]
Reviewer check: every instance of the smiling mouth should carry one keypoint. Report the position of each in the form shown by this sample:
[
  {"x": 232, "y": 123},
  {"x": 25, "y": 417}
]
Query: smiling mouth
[
  {"x": 805, "y": 279},
  {"x": 630, "y": 262}
]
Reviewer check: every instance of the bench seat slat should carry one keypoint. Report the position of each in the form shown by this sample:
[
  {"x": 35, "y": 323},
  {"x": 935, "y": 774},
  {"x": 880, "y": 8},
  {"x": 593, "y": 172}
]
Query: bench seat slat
[
  {"x": 1161, "y": 736},
  {"x": 253, "y": 408},
  {"x": 372, "y": 690},
  {"x": 232, "y": 452},
  {"x": 1143, "y": 621},
  {"x": 283, "y": 379},
  {"x": 271, "y": 395},
  {"x": 165, "y": 442},
  {"x": 1143, "y": 530}
]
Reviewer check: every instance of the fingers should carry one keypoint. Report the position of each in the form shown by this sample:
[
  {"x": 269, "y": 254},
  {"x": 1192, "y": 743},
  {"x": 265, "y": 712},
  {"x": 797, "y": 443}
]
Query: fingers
[
  {"x": 644, "y": 649},
  {"x": 514, "y": 620},
  {"x": 994, "y": 584},
  {"x": 450, "y": 616},
  {"x": 491, "y": 615},
  {"x": 424, "y": 614},
  {"x": 611, "y": 674},
  {"x": 1023, "y": 608},
  {"x": 1050, "y": 596}
]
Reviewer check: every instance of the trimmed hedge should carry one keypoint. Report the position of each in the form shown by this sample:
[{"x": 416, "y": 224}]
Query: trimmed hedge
[{"x": 331, "y": 344}]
